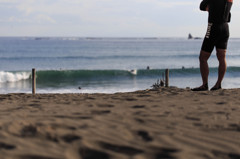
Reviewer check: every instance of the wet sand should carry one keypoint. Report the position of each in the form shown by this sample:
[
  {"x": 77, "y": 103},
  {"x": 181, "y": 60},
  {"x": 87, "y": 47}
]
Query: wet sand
[{"x": 169, "y": 123}]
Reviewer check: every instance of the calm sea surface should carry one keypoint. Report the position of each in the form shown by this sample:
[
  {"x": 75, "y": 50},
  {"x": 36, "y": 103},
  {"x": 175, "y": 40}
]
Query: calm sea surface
[{"x": 104, "y": 64}]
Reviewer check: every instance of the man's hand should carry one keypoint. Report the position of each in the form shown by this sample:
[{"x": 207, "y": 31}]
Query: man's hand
[{"x": 207, "y": 8}]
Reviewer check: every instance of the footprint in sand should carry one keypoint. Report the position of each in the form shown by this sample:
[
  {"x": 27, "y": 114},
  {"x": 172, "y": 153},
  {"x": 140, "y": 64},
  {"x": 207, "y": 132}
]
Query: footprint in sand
[
  {"x": 28, "y": 131},
  {"x": 219, "y": 154},
  {"x": 121, "y": 149},
  {"x": 100, "y": 112},
  {"x": 105, "y": 105},
  {"x": 144, "y": 95},
  {"x": 145, "y": 136},
  {"x": 192, "y": 118},
  {"x": 166, "y": 153},
  {"x": 130, "y": 99},
  {"x": 73, "y": 117},
  {"x": 140, "y": 120},
  {"x": 35, "y": 105},
  {"x": 35, "y": 157},
  {"x": 6, "y": 146},
  {"x": 70, "y": 138},
  {"x": 87, "y": 153},
  {"x": 235, "y": 127},
  {"x": 138, "y": 106},
  {"x": 221, "y": 103}
]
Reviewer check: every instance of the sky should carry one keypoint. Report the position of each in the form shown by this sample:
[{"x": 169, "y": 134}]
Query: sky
[{"x": 107, "y": 18}]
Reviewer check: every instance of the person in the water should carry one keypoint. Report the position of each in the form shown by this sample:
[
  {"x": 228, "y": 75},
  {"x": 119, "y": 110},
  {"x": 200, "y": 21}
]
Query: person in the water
[{"x": 217, "y": 36}]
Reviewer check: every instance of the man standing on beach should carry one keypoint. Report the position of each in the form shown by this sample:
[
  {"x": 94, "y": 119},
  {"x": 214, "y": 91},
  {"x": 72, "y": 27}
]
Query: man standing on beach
[{"x": 217, "y": 36}]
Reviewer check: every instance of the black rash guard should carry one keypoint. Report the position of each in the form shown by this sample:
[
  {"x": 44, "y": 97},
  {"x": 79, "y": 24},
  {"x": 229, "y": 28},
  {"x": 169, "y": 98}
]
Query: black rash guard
[
  {"x": 219, "y": 10},
  {"x": 218, "y": 31}
]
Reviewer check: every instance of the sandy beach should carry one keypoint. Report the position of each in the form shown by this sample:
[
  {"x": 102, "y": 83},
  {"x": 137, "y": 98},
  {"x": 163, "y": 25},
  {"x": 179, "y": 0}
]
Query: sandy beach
[{"x": 169, "y": 123}]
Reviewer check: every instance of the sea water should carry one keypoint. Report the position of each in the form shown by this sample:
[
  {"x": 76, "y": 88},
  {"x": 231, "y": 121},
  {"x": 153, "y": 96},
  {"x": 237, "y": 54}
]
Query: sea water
[{"x": 107, "y": 65}]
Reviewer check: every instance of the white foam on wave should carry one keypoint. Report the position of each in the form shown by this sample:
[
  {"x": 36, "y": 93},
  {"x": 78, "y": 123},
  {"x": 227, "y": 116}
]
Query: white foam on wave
[
  {"x": 13, "y": 76},
  {"x": 133, "y": 72}
]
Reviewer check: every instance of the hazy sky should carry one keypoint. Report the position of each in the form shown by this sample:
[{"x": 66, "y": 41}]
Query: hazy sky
[{"x": 107, "y": 18}]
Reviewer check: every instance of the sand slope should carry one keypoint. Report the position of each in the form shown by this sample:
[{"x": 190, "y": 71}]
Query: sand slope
[{"x": 169, "y": 123}]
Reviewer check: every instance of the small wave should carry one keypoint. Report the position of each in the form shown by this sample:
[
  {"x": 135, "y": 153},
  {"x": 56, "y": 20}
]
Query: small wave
[
  {"x": 50, "y": 77},
  {"x": 13, "y": 76},
  {"x": 79, "y": 75}
]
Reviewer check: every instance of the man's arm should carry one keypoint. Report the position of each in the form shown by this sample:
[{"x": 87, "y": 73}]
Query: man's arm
[
  {"x": 204, "y": 5},
  {"x": 227, "y": 14}
]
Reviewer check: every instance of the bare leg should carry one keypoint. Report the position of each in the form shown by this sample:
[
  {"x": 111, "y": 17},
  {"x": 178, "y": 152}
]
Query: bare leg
[
  {"x": 221, "y": 55},
  {"x": 203, "y": 58},
  {"x": 204, "y": 69}
]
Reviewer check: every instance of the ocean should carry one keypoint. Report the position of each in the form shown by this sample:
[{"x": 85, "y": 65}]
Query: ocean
[{"x": 107, "y": 65}]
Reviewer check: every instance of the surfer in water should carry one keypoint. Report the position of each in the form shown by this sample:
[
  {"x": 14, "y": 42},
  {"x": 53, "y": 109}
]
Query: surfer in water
[{"x": 217, "y": 36}]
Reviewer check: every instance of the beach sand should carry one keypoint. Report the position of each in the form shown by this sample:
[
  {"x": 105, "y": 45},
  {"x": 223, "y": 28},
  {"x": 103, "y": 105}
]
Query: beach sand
[{"x": 169, "y": 123}]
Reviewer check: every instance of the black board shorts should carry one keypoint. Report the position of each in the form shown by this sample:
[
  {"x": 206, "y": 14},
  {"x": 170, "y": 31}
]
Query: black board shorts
[{"x": 217, "y": 36}]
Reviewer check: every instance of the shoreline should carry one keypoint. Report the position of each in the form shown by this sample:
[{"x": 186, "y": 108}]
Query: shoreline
[{"x": 165, "y": 123}]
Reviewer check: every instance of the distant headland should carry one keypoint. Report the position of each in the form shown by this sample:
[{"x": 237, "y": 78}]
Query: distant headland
[{"x": 191, "y": 37}]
